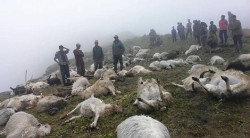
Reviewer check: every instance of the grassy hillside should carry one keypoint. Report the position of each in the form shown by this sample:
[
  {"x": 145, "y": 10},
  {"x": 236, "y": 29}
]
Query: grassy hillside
[{"x": 192, "y": 114}]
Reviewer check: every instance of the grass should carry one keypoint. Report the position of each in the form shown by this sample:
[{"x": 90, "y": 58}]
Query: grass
[{"x": 192, "y": 114}]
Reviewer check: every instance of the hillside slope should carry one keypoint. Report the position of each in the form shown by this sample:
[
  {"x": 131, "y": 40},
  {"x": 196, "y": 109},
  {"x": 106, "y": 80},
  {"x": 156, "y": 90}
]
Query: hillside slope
[{"x": 191, "y": 114}]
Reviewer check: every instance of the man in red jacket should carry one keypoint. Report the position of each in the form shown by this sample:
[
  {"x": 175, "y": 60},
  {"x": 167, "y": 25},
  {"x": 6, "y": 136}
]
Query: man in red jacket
[
  {"x": 79, "y": 60},
  {"x": 223, "y": 24}
]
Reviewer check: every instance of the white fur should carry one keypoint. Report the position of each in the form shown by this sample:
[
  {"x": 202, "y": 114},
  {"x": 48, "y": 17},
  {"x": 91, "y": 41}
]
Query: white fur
[
  {"x": 5, "y": 115},
  {"x": 142, "y": 127},
  {"x": 99, "y": 88},
  {"x": 80, "y": 85},
  {"x": 39, "y": 85},
  {"x": 153, "y": 94},
  {"x": 217, "y": 60},
  {"x": 192, "y": 48},
  {"x": 196, "y": 71},
  {"x": 137, "y": 60},
  {"x": 44, "y": 103},
  {"x": 244, "y": 57},
  {"x": 136, "y": 49},
  {"x": 138, "y": 69},
  {"x": 21, "y": 102},
  {"x": 141, "y": 53},
  {"x": 155, "y": 66},
  {"x": 193, "y": 59},
  {"x": 98, "y": 73},
  {"x": 122, "y": 73},
  {"x": 195, "y": 68},
  {"x": 160, "y": 56},
  {"x": 24, "y": 125},
  {"x": 92, "y": 107}
]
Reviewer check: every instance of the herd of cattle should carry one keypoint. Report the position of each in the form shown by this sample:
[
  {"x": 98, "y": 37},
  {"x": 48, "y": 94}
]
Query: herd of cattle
[{"x": 209, "y": 79}]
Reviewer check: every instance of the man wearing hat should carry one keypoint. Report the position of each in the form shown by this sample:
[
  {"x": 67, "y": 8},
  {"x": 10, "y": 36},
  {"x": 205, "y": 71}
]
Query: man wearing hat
[
  {"x": 79, "y": 60},
  {"x": 97, "y": 56},
  {"x": 118, "y": 50},
  {"x": 62, "y": 60}
]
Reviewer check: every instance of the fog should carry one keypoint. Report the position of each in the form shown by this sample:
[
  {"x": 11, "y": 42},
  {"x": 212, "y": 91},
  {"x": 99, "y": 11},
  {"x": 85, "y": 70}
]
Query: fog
[{"x": 32, "y": 30}]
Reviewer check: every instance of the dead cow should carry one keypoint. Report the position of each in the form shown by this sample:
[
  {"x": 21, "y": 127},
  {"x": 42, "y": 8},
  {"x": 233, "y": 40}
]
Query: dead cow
[
  {"x": 93, "y": 107},
  {"x": 50, "y": 104},
  {"x": 101, "y": 87},
  {"x": 21, "y": 102},
  {"x": 24, "y": 125},
  {"x": 151, "y": 95}
]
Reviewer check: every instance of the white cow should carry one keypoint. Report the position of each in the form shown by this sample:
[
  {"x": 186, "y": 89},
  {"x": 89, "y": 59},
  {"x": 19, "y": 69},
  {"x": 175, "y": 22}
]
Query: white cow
[
  {"x": 24, "y": 125},
  {"x": 142, "y": 127},
  {"x": 94, "y": 107},
  {"x": 151, "y": 95}
]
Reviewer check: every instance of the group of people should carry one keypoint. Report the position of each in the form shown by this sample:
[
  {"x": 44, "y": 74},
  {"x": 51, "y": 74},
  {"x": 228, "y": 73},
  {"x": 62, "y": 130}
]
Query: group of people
[
  {"x": 205, "y": 36},
  {"x": 62, "y": 60},
  {"x": 154, "y": 39}
]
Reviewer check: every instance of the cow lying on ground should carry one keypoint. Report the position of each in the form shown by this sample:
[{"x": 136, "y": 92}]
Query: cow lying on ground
[
  {"x": 21, "y": 102},
  {"x": 93, "y": 107},
  {"x": 24, "y": 125},
  {"x": 199, "y": 71},
  {"x": 5, "y": 115},
  {"x": 51, "y": 104},
  {"x": 79, "y": 85},
  {"x": 142, "y": 127},
  {"x": 101, "y": 87},
  {"x": 151, "y": 95},
  {"x": 226, "y": 84}
]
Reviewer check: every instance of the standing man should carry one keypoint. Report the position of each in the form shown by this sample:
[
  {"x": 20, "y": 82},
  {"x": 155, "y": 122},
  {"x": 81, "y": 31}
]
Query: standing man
[
  {"x": 173, "y": 32},
  {"x": 118, "y": 50},
  {"x": 223, "y": 24},
  {"x": 79, "y": 60},
  {"x": 212, "y": 28},
  {"x": 203, "y": 33},
  {"x": 235, "y": 27},
  {"x": 152, "y": 37},
  {"x": 197, "y": 31},
  {"x": 230, "y": 16},
  {"x": 182, "y": 31},
  {"x": 62, "y": 60},
  {"x": 97, "y": 56},
  {"x": 189, "y": 29}
]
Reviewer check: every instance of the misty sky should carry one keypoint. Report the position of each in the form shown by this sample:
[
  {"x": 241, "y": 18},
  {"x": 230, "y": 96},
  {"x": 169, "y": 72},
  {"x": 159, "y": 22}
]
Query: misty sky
[{"x": 32, "y": 30}]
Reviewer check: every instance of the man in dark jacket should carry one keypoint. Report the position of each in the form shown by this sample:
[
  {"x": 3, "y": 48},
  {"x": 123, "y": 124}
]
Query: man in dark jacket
[
  {"x": 189, "y": 29},
  {"x": 235, "y": 27},
  {"x": 118, "y": 50},
  {"x": 212, "y": 27},
  {"x": 97, "y": 56},
  {"x": 79, "y": 60},
  {"x": 173, "y": 32},
  {"x": 62, "y": 60},
  {"x": 203, "y": 33}
]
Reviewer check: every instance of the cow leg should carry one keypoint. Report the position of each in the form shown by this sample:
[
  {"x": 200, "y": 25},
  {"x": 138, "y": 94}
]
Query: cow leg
[
  {"x": 94, "y": 123},
  {"x": 145, "y": 102},
  {"x": 111, "y": 88},
  {"x": 202, "y": 85},
  {"x": 229, "y": 90},
  {"x": 72, "y": 118}
]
